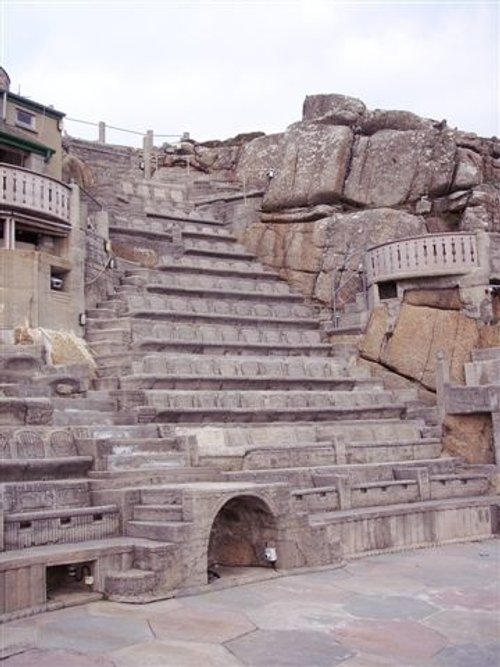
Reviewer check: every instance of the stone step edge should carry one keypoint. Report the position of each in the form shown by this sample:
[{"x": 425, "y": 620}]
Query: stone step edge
[
  {"x": 208, "y": 292},
  {"x": 358, "y": 514},
  {"x": 174, "y": 315}
]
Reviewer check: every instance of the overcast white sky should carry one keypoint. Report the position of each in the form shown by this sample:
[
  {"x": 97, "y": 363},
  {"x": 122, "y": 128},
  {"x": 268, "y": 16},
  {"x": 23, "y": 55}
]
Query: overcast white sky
[{"x": 217, "y": 68}]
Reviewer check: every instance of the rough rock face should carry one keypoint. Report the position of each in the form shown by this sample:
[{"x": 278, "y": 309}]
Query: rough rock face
[
  {"x": 318, "y": 255},
  {"x": 469, "y": 436},
  {"x": 313, "y": 168},
  {"x": 357, "y": 178},
  {"x": 410, "y": 344}
]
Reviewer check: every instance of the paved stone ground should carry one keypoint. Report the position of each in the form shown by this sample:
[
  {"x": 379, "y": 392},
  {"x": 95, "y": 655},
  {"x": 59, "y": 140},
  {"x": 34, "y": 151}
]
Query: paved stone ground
[{"x": 435, "y": 607}]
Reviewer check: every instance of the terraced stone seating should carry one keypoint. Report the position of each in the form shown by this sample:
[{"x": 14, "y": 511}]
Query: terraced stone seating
[
  {"x": 29, "y": 453},
  {"x": 205, "y": 371},
  {"x": 226, "y": 338},
  {"x": 156, "y": 306},
  {"x": 224, "y": 267},
  {"x": 133, "y": 447},
  {"x": 203, "y": 405},
  {"x": 220, "y": 356},
  {"x": 46, "y": 498}
]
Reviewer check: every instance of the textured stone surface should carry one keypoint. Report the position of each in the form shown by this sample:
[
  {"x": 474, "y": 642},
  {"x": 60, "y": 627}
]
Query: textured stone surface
[
  {"x": 469, "y": 436},
  {"x": 310, "y": 254},
  {"x": 393, "y": 167},
  {"x": 410, "y": 346},
  {"x": 313, "y": 168}
]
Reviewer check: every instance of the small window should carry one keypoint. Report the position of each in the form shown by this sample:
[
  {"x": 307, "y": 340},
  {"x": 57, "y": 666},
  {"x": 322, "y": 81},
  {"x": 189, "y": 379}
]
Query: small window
[
  {"x": 25, "y": 119},
  {"x": 387, "y": 290},
  {"x": 58, "y": 279}
]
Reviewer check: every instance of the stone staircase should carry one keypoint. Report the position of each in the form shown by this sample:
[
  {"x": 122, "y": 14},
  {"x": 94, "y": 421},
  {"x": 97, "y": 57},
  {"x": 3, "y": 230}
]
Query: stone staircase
[
  {"x": 214, "y": 347},
  {"x": 217, "y": 398}
]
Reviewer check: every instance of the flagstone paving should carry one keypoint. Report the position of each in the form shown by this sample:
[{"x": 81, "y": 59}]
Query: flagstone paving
[{"x": 437, "y": 607}]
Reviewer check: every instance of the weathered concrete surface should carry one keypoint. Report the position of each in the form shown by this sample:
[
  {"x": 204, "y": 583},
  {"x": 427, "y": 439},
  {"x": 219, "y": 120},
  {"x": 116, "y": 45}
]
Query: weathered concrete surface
[{"x": 436, "y": 607}]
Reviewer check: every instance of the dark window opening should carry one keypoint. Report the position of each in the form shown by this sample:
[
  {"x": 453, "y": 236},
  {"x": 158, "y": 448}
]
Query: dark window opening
[
  {"x": 58, "y": 279},
  {"x": 388, "y": 290}
]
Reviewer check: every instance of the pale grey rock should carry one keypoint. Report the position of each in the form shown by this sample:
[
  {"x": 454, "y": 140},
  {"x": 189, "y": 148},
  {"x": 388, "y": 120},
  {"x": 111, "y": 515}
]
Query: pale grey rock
[
  {"x": 380, "y": 119},
  {"x": 336, "y": 109},
  {"x": 469, "y": 170},
  {"x": 392, "y": 167},
  {"x": 257, "y": 157},
  {"x": 313, "y": 169}
]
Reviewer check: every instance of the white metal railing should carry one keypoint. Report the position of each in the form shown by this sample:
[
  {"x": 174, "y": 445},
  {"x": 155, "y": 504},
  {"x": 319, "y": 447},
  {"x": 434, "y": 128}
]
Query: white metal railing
[
  {"x": 430, "y": 255},
  {"x": 21, "y": 188}
]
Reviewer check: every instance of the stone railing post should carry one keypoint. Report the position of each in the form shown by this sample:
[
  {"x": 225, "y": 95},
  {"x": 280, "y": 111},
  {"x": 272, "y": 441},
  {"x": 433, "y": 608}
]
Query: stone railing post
[
  {"x": 102, "y": 132},
  {"x": 147, "y": 145}
]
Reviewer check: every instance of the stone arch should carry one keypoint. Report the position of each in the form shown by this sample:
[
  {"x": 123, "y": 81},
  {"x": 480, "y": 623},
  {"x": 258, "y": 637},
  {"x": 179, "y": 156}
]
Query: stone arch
[{"x": 239, "y": 532}]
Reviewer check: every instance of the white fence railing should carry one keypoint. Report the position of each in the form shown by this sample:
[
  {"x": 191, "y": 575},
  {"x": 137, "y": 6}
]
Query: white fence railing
[
  {"x": 24, "y": 189},
  {"x": 431, "y": 255}
]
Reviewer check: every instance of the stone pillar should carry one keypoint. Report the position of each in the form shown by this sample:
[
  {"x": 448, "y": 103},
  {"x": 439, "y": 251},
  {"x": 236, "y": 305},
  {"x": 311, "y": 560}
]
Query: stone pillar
[
  {"x": 102, "y": 132},
  {"x": 10, "y": 234},
  {"x": 495, "y": 420},
  {"x": 147, "y": 145},
  {"x": 344, "y": 492}
]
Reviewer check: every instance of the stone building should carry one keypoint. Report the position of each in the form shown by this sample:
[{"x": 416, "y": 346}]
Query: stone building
[{"x": 41, "y": 278}]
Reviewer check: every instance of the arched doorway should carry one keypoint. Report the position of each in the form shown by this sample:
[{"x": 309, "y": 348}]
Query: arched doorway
[{"x": 241, "y": 530}]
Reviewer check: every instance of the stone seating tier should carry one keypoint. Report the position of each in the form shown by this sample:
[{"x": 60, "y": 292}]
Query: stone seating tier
[
  {"x": 156, "y": 306},
  {"x": 247, "y": 335},
  {"x": 28, "y": 529},
  {"x": 227, "y": 266},
  {"x": 247, "y": 366},
  {"x": 172, "y": 279}
]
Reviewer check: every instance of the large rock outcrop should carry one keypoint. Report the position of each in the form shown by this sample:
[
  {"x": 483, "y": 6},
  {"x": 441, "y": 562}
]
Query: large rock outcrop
[{"x": 346, "y": 178}]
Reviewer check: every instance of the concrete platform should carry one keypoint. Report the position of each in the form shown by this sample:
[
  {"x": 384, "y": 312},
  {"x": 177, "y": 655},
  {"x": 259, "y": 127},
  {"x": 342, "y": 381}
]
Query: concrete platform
[{"x": 437, "y": 607}]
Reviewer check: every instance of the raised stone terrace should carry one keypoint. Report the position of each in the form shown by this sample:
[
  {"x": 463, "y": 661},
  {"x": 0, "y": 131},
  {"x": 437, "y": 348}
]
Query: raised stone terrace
[{"x": 219, "y": 422}]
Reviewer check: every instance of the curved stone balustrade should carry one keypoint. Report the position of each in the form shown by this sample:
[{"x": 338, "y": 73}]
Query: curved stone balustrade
[
  {"x": 24, "y": 189},
  {"x": 419, "y": 256}
]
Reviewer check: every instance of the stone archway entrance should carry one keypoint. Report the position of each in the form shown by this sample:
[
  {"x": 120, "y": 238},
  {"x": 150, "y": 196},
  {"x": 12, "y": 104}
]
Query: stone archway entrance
[{"x": 241, "y": 530}]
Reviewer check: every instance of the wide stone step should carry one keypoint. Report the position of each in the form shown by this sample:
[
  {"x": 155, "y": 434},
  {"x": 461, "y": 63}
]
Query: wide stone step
[
  {"x": 118, "y": 432},
  {"x": 268, "y": 400},
  {"x": 69, "y": 417},
  {"x": 157, "y": 513},
  {"x": 171, "y": 346},
  {"x": 174, "y": 279},
  {"x": 97, "y": 338},
  {"x": 98, "y": 404},
  {"x": 129, "y": 585},
  {"x": 408, "y": 525},
  {"x": 321, "y": 476},
  {"x": 393, "y": 450},
  {"x": 117, "y": 479},
  {"x": 201, "y": 382},
  {"x": 160, "y": 306},
  {"x": 149, "y": 461},
  {"x": 218, "y": 332},
  {"x": 100, "y": 313},
  {"x": 200, "y": 289},
  {"x": 28, "y": 529},
  {"x": 302, "y": 368},
  {"x": 208, "y": 415},
  {"x": 223, "y": 267},
  {"x": 216, "y": 248},
  {"x": 458, "y": 485},
  {"x": 170, "y": 531},
  {"x": 127, "y": 446},
  {"x": 92, "y": 325}
]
